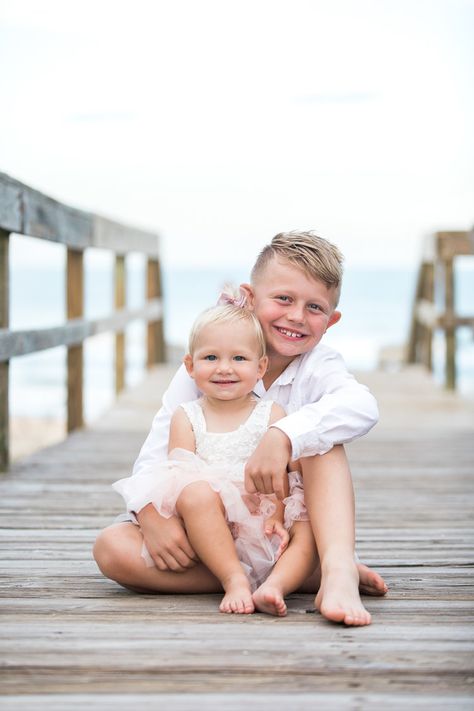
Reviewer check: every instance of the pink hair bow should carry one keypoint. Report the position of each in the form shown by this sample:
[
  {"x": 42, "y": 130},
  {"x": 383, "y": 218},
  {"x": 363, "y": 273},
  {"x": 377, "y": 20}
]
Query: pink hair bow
[{"x": 229, "y": 297}]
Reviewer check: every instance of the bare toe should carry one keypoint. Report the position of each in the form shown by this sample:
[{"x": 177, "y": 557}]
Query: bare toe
[
  {"x": 370, "y": 582},
  {"x": 338, "y": 597},
  {"x": 270, "y": 600},
  {"x": 238, "y": 596}
]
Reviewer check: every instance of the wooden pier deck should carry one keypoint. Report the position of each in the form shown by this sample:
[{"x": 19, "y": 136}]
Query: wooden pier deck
[{"x": 73, "y": 640}]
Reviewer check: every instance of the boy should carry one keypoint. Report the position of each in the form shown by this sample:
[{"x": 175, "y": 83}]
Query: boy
[{"x": 294, "y": 292}]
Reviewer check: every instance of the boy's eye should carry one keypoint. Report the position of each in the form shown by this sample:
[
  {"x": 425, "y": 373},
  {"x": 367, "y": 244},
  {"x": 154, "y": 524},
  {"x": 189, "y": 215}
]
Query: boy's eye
[
  {"x": 210, "y": 357},
  {"x": 315, "y": 307},
  {"x": 283, "y": 298},
  {"x": 239, "y": 358}
]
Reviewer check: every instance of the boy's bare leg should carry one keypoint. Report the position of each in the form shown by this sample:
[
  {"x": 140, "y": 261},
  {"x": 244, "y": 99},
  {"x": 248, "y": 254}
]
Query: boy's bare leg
[
  {"x": 329, "y": 498},
  {"x": 117, "y": 552},
  {"x": 291, "y": 570},
  {"x": 202, "y": 511}
]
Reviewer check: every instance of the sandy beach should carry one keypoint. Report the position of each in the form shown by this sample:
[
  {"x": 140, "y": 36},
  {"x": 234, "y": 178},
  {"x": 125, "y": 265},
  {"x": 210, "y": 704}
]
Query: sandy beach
[{"x": 29, "y": 434}]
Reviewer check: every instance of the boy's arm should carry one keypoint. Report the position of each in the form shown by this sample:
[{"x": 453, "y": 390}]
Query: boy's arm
[
  {"x": 155, "y": 448},
  {"x": 274, "y": 523},
  {"x": 265, "y": 470},
  {"x": 338, "y": 410}
]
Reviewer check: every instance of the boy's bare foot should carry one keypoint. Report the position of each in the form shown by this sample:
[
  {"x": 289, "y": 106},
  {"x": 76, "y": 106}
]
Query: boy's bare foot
[
  {"x": 238, "y": 596},
  {"x": 370, "y": 582},
  {"x": 270, "y": 600},
  {"x": 338, "y": 597}
]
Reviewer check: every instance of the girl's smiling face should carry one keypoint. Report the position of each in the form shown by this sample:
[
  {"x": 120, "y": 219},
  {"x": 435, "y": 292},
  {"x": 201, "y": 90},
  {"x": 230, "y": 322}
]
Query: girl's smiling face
[
  {"x": 294, "y": 309},
  {"x": 226, "y": 362}
]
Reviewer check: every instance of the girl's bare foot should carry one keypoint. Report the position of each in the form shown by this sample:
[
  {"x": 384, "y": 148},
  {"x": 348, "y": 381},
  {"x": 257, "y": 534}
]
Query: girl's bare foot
[
  {"x": 338, "y": 597},
  {"x": 270, "y": 600},
  {"x": 238, "y": 596}
]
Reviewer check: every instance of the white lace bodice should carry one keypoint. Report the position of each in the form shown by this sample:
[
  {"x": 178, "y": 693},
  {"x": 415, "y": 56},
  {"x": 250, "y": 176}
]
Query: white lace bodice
[{"x": 229, "y": 450}]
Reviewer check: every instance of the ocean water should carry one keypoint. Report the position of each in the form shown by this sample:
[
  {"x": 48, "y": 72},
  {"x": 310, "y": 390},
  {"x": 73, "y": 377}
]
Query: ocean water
[{"x": 375, "y": 304}]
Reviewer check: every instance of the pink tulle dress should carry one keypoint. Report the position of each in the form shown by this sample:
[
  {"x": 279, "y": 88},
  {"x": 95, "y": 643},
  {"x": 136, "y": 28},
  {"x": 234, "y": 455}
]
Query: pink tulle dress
[{"x": 220, "y": 460}]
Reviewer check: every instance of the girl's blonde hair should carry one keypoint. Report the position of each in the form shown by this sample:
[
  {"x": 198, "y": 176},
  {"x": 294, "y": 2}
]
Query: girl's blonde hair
[
  {"x": 316, "y": 256},
  {"x": 228, "y": 313}
]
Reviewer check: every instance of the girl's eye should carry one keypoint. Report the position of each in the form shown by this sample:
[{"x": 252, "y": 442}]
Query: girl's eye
[
  {"x": 239, "y": 358},
  {"x": 210, "y": 357}
]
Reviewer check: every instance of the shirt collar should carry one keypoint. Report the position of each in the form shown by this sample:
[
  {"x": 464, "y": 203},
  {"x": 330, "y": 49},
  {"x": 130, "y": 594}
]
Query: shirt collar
[
  {"x": 289, "y": 374},
  {"x": 285, "y": 378}
]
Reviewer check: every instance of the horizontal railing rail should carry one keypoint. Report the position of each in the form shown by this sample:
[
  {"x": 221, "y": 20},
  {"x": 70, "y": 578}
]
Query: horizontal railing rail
[{"x": 26, "y": 211}]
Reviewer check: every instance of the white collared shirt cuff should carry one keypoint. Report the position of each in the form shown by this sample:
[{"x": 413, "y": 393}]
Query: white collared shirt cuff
[{"x": 302, "y": 445}]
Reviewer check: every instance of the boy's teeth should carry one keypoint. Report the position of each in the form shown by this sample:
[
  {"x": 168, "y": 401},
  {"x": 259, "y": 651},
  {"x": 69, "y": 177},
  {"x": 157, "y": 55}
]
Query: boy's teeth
[{"x": 291, "y": 334}]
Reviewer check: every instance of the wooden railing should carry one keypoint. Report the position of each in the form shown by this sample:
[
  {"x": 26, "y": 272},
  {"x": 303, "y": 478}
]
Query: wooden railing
[
  {"x": 29, "y": 212},
  {"x": 434, "y": 306}
]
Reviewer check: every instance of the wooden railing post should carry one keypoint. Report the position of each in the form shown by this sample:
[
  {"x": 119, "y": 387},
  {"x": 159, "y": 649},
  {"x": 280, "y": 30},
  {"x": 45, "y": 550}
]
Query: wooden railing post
[
  {"x": 450, "y": 327},
  {"x": 436, "y": 277},
  {"x": 4, "y": 367},
  {"x": 75, "y": 309},
  {"x": 155, "y": 335},
  {"x": 421, "y": 334},
  {"x": 428, "y": 294},
  {"x": 120, "y": 291}
]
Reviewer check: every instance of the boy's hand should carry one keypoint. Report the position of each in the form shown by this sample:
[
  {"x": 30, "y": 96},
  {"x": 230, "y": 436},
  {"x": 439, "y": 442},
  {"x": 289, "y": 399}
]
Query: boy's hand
[
  {"x": 166, "y": 541},
  {"x": 275, "y": 527},
  {"x": 265, "y": 471}
]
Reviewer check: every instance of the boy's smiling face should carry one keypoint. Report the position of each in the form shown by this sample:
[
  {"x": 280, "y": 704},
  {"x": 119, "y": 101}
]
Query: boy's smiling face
[{"x": 294, "y": 309}]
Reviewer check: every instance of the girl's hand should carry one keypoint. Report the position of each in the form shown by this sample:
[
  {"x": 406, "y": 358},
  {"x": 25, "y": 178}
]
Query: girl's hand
[
  {"x": 166, "y": 541},
  {"x": 275, "y": 527}
]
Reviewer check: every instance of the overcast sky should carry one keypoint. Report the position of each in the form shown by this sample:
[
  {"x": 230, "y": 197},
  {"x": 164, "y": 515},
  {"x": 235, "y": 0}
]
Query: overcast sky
[{"x": 220, "y": 123}]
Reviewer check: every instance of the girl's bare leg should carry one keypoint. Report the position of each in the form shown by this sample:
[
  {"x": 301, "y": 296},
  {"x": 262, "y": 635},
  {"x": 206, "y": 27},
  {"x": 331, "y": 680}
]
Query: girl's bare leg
[
  {"x": 202, "y": 511},
  {"x": 291, "y": 570},
  {"x": 117, "y": 552},
  {"x": 329, "y": 498}
]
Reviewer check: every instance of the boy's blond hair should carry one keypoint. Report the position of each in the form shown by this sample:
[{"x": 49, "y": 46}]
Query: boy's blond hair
[
  {"x": 317, "y": 257},
  {"x": 227, "y": 314}
]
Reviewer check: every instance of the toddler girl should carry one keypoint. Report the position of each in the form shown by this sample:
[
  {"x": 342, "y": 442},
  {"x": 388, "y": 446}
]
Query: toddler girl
[{"x": 238, "y": 536}]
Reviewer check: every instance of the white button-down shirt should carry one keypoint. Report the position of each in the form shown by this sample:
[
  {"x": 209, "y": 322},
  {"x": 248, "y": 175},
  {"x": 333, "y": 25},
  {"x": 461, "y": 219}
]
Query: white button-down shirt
[{"x": 325, "y": 405}]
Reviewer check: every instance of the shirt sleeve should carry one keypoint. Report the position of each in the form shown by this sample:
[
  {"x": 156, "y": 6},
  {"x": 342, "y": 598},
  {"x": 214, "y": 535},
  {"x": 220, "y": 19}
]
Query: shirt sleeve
[
  {"x": 338, "y": 409},
  {"x": 155, "y": 448}
]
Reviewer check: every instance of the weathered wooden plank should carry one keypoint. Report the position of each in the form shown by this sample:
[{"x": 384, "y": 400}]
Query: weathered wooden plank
[
  {"x": 30, "y": 212},
  {"x": 122, "y": 239},
  {"x": 120, "y": 298},
  {"x": 18, "y": 343},
  {"x": 170, "y": 655},
  {"x": 296, "y": 701},
  {"x": 10, "y": 204},
  {"x": 73, "y": 679},
  {"x": 451, "y": 243},
  {"x": 68, "y": 630},
  {"x": 436, "y": 284},
  {"x": 156, "y": 349},
  {"x": 50, "y": 219},
  {"x": 236, "y": 635},
  {"x": 398, "y": 615},
  {"x": 75, "y": 368},
  {"x": 4, "y": 367}
]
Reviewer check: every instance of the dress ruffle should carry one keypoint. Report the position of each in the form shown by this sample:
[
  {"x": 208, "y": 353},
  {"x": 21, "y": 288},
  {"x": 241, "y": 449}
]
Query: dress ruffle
[
  {"x": 295, "y": 507},
  {"x": 245, "y": 513}
]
